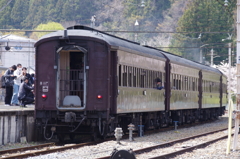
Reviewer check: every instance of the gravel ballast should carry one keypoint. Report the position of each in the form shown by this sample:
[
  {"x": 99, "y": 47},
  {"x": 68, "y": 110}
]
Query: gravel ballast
[{"x": 106, "y": 148}]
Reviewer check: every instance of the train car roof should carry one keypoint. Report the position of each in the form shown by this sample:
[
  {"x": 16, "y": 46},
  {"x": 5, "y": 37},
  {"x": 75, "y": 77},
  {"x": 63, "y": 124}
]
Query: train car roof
[
  {"x": 113, "y": 41},
  {"x": 182, "y": 61},
  {"x": 121, "y": 43}
]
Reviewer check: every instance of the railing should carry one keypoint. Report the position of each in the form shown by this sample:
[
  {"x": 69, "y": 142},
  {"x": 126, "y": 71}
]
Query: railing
[{"x": 71, "y": 83}]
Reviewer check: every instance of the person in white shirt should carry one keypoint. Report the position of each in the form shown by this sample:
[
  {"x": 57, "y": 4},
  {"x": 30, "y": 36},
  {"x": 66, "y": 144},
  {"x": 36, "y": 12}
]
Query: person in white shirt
[{"x": 17, "y": 81}]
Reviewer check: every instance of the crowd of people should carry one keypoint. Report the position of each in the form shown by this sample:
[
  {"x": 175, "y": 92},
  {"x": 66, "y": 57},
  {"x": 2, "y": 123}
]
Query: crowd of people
[{"x": 19, "y": 86}]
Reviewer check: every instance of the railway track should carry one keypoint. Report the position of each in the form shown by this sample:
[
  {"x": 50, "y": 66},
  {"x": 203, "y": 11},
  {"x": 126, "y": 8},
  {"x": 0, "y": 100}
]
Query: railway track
[
  {"x": 51, "y": 147},
  {"x": 38, "y": 150},
  {"x": 171, "y": 143}
]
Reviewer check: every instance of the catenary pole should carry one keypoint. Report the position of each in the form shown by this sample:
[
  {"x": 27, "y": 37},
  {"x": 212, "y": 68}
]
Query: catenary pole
[
  {"x": 237, "y": 115},
  {"x": 229, "y": 71}
]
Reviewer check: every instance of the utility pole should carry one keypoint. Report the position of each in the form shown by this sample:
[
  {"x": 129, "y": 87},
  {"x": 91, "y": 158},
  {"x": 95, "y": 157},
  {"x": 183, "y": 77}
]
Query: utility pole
[
  {"x": 238, "y": 54},
  {"x": 136, "y": 34},
  {"x": 237, "y": 112},
  {"x": 93, "y": 19},
  {"x": 211, "y": 57},
  {"x": 201, "y": 56},
  {"x": 229, "y": 71}
]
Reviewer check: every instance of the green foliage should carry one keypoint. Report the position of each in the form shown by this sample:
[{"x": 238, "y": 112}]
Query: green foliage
[
  {"x": 31, "y": 14},
  {"x": 28, "y": 14},
  {"x": 48, "y": 26},
  {"x": 206, "y": 16},
  {"x": 5, "y": 14}
]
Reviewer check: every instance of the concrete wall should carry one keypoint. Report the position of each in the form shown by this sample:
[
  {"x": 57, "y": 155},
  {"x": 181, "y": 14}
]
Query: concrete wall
[{"x": 16, "y": 124}]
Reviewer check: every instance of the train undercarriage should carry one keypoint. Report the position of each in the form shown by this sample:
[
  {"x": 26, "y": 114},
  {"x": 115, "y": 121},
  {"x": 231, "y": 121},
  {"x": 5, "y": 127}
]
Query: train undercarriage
[{"x": 96, "y": 125}]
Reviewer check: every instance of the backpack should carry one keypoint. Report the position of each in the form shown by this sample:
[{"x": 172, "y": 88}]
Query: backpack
[{"x": 3, "y": 82}]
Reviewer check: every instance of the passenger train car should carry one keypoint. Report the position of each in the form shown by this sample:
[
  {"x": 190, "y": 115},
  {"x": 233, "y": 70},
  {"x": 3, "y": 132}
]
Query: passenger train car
[{"x": 90, "y": 82}]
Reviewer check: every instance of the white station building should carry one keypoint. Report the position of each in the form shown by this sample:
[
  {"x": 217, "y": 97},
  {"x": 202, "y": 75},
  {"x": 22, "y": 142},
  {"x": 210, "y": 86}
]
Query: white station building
[{"x": 16, "y": 49}]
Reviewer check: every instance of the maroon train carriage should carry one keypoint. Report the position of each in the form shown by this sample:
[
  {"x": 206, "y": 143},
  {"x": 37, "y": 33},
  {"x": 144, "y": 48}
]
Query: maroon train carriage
[{"x": 90, "y": 82}]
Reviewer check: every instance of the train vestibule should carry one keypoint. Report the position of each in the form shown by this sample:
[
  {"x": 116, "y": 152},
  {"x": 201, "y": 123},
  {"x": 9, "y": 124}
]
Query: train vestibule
[{"x": 71, "y": 74}]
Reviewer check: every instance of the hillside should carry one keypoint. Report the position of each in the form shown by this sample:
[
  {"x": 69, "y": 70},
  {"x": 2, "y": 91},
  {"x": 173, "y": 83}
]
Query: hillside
[
  {"x": 197, "y": 22},
  {"x": 110, "y": 14}
]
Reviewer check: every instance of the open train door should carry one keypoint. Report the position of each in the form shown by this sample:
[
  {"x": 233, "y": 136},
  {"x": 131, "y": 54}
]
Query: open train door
[{"x": 71, "y": 78}]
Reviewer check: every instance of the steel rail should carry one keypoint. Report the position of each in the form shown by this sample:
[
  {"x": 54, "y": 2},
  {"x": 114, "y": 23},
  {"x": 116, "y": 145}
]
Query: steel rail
[
  {"x": 26, "y": 148},
  {"x": 47, "y": 151},
  {"x": 168, "y": 144},
  {"x": 175, "y": 153}
]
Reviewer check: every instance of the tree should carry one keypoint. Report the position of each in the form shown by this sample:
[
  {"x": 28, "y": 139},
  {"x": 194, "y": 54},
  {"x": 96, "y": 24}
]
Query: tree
[
  {"x": 48, "y": 26},
  {"x": 206, "y": 16},
  {"x": 19, "y": 12},
  {"x": 5, "y": 14}
]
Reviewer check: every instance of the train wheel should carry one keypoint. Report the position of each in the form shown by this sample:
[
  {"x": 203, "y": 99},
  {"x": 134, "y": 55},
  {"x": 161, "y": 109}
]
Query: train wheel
[
  {"x": 95, "y": 136},
  {"x": 38, "y": 131},
  {"x": 61, "y": 137},
  {"x": 72, "y": 137}
]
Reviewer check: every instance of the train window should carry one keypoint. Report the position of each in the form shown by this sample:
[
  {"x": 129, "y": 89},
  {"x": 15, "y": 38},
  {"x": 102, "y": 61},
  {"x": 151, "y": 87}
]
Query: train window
[
  {"x": 186, "y": 82},
  {"x": 196, "y": 84},
  {"x": 124, "y": 75},
  {"x": 193, "y": 85},
  {"x": 150, "y": 79},
  {"x": 147, "y": 79},
  {"x": 134, "y": 77},
  {"x": 206, "y": 86},
  {"x": 174, "y": 84},
  {"x": 163, "y": 79},
  {"x": 129, "y": 76},
  {"x": 137, "y": 77},
  {"x": 190, "y": 83},
  {"x": 179, "y": 82},
  {"x": 183, "y": 82},
  {"x": 209, "y": 85},
  {"x": 142, "y": 78},
  {"x": 154, "y": 78},
  {"x": 203, "y": 86},
  {"x": 120, "y": 75}
]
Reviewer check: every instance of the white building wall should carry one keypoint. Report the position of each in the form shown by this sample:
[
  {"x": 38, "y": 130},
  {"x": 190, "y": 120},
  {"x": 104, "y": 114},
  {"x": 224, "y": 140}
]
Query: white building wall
[{"x": 22, "y": 51}]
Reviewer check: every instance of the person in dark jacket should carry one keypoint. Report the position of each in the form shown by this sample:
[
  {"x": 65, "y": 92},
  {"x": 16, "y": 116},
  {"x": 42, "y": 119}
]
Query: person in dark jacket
[
  {"x": 24, "y": 90},
  {"x": 25, "y": 74},
  {"x": 9, "y": 77},
  {"x": 159, "y": 84}
]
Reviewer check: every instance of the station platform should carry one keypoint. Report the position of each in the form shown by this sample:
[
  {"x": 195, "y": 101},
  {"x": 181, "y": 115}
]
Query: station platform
[
  {"x": 4, "y": 108},
  {"x": 16, "y": 123}
]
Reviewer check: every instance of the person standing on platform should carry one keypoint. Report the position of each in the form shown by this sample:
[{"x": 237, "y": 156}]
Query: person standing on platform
[
  {"x": 9, "y": 77},
  {"x": 17, "y": 81}
]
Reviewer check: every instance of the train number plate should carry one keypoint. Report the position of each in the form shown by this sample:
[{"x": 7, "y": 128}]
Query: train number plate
[{"x": 45, "y": 88}]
